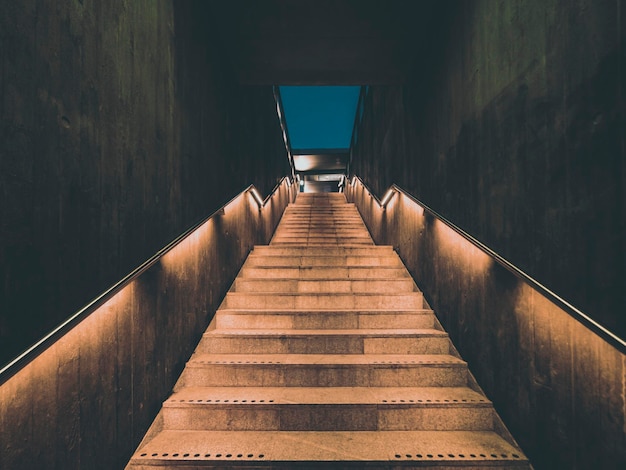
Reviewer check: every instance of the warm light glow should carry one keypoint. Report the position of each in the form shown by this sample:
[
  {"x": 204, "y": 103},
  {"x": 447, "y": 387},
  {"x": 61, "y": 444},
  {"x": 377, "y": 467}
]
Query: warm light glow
[
  {"x": 456, "y": 247},
  {"x": 73, "y": 336},
  {"x": 188, "y": 248},
  {"x": 416, "y": 207},
  {"x": 304, "y": 162},
  {"x": 387, "y": 197},
  {"x": 257, "y": 197}
]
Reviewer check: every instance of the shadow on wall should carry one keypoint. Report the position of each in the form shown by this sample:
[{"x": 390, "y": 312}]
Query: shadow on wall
[
  {"x": 87, "y": 399},
  {"x": 557, "y": 385}
]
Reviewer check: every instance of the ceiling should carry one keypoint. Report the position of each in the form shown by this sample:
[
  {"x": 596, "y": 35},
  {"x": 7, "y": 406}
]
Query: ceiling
[{"x": 322, "y": 42}]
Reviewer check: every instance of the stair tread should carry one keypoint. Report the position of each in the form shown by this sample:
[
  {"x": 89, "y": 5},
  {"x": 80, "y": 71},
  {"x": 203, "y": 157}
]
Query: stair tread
[
  {"x": 413, "y": 396},
  {"x": 304, "y": 311},
  {"x": 329, "y": 446},
  {"x": 328, "y": 294},
  {"x": 327, "y": 359},
  {"x": 324, "y": 367},
  {"x": 370, "y": 332},
  {"x": 395, "y": 280}
]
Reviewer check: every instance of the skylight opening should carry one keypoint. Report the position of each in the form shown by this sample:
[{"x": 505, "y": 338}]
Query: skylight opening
[{"x": 319, "y": 117}]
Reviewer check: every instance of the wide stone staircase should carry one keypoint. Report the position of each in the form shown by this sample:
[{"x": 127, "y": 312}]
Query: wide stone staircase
[{"x": 324, "y": 354}]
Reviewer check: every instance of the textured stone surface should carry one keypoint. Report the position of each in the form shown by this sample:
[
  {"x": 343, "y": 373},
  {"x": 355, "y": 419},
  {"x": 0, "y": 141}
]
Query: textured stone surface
[
  {"x": 317, "y": 389},
  {"x": 557, "y": 385},
  {"x": 88, "y": 399},
  {"x": 515, "y": 133},
  {"x": 120, "y": 126}
]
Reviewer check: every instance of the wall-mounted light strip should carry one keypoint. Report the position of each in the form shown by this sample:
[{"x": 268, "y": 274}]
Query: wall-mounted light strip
[
  {"x": 257, "y": 197},
  {"x": 387, "y": 197},
  {"x": 574, "y": 312}
]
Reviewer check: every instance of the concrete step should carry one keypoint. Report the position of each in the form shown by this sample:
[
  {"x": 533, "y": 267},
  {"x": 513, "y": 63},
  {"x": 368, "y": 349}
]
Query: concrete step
[
  {"x": 318, "y": 242},
  {"x": 324, "y": 286},
  {"x": 322, "y": 220},
  {"x": 318, "y": 205},
  {"x": 376, "y": 250},
  {"x": 328, "y": 409},
  {"x": 356, "y": 301},
  {"x": 336, "y": 341},
  {"x": 324, "y": 217},
  {"x": 312, "y": 209},
  {"x": 323, "y": 355},
  {"x": 319, "y": 227},
  {"x": 329, "y": 450},
  {"x": 307, "y": 320},
  {"x": 328, "y": 261},
  {"x": 337, "y": 237},
  {"x": 326, "y": 239},
  {"x": 321, "y": 231},
  {"x": 324, "y": 370},
  {"x": 324, "y": 273}
]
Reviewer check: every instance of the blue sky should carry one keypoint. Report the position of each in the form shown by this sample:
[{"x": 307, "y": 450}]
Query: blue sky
[{"x": 319, "y": 117}]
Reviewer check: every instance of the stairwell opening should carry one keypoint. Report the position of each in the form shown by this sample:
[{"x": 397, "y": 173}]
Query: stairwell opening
[{"x": 320, "y": 123}]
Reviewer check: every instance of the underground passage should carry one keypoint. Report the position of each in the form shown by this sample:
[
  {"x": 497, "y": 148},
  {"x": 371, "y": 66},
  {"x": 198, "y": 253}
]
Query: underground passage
[{"x": 187, "y": 282}]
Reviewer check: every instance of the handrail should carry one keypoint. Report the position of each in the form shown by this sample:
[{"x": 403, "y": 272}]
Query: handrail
[
  {"x": 574, "y": 312},
  {"x": 283, "y": 126},
  {"x": 23, "y": 359},
  {"x": 358, "y": 116}
]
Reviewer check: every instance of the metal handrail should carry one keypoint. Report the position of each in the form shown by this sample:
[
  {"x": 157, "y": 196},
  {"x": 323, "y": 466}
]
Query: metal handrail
[
  {"x": 358, "y": 115},
  {"x": 574, "y": 312},
  {"x": 19, "y": 362},
  {"x": 280, "y": 110}
]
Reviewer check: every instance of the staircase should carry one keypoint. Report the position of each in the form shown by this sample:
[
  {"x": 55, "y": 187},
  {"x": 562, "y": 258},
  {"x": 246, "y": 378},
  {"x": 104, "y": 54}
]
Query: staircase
[{"x": 324, "y": 354}]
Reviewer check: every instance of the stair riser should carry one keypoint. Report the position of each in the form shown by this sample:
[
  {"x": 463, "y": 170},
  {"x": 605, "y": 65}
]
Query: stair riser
[
  {"x": 304, "y": 223},
  {"x": 323, "y": 243},
  {"x": 311, "y": 225},
  {"x": 309, "y": 231},
  {"x": 312, "y": 301},
  {"x": 306, "y": 226},
  {"x": 332, "y": 237},
  {"x": 326, "y": 261},
  {"x": 323, "y": 345},
  {"x": 315, "y": 375},
  {"x": 299, "y": 222},
  {"x": 323, "y": 217},
  {"x": 283, "y": 417},
  {"x": 338, "y": 239},
  {"x": 291, "y": 220},
  {"x": 327, "y": 321},
  {"x": 334, "y": 208},
  {"x": 324, "y": 220},
  {"x": 330, "y": 251},
  {"x": 322, "y": 273},
  {"x": 321, "y": 286}
]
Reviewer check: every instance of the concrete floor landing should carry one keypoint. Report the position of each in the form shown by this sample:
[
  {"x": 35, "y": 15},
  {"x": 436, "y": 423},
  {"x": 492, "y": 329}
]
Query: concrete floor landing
[{"x": 324, "y": 354}]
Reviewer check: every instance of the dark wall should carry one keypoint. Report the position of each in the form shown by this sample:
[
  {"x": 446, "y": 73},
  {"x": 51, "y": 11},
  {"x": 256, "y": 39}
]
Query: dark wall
[
  {"x": 87, "y": 400},
  {"x": 120, "y": 126},
  {"x": 557, "y": 385},
  {"x": 513, "y": 128}
]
